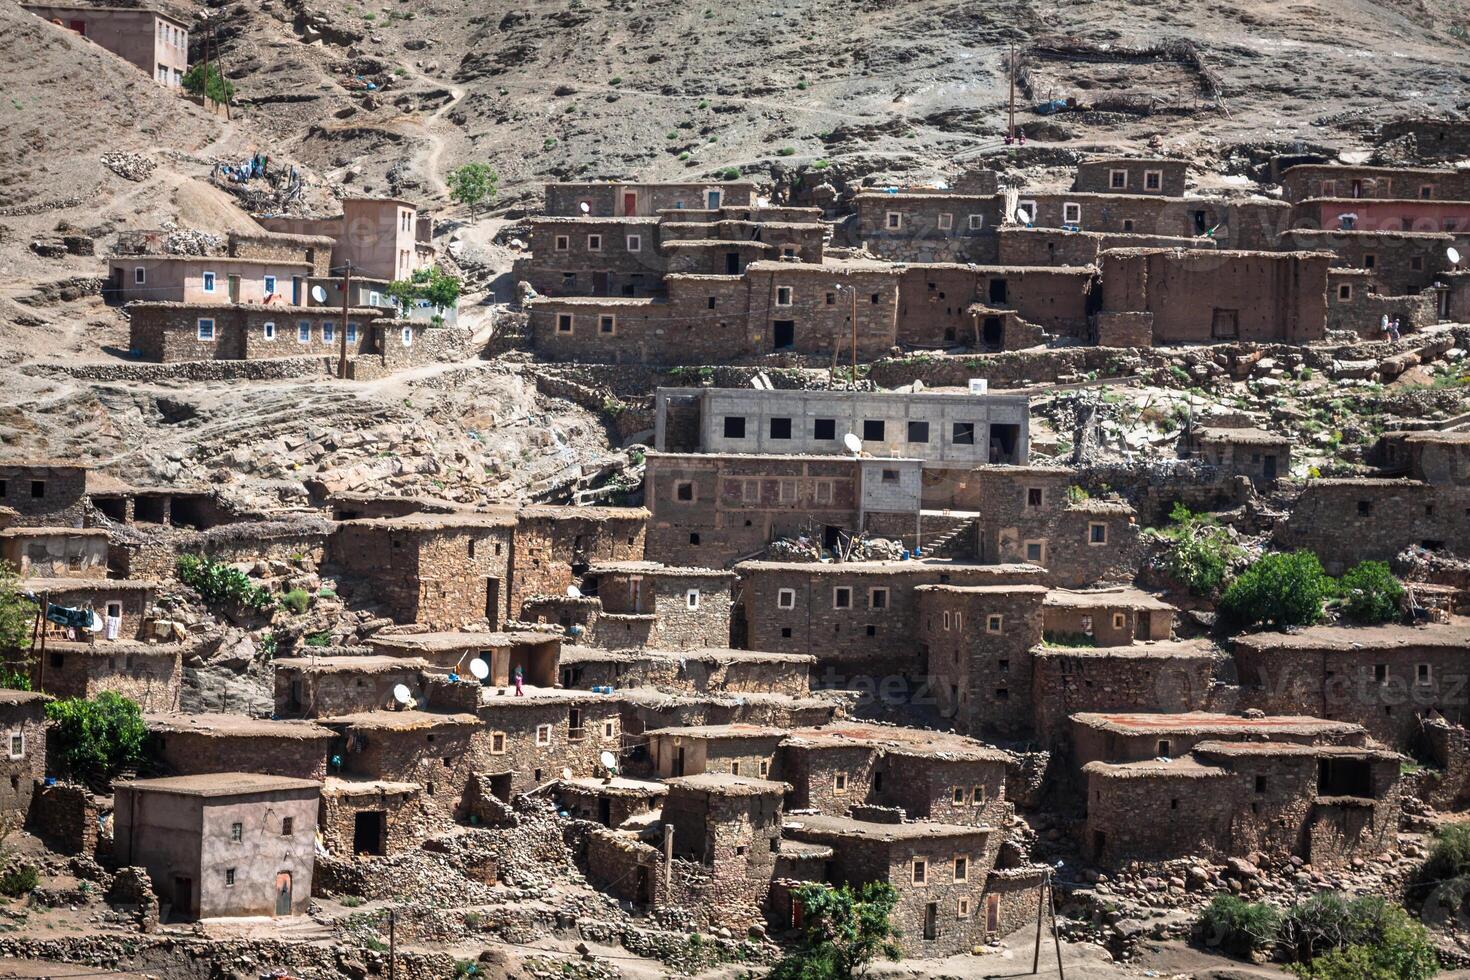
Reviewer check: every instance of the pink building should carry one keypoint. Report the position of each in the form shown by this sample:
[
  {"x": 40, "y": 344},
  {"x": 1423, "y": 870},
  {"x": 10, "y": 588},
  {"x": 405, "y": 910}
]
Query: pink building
[{"x": 150, "y": 39}]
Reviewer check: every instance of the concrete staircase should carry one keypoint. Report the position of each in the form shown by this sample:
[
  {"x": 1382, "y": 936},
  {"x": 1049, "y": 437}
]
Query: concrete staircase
[{"x": 948, "y": 533}]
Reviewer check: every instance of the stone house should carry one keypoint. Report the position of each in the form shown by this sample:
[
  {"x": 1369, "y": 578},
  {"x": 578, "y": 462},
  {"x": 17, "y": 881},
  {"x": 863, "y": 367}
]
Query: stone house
[
  {"x": 1260, "y": 456},
  {"x": 1401, "y": 263},
  {"x": 1034, "y": 514},
  {"x": 150, "y": 674},
  {"x": 596, "y": 256},
  {"x": 169, "y": 332},
  {"x": 1128, "y": 737},
  {"x": 330, "y": 687},
  {"x": 1107, "y": 617},
  {"x": 714, "y": 509},
  {"x": 383, "y": 238},
  {"x": 644, "y": 708},
  {"x": 706, "y": 670},
  {"x": 430, "y": 750},
  {"x": 372, "y": 817},
  {"x": 151, "y": 40},
  {"x": 554, "y": 546},
  {"x": 977, "y": 644},
  {"x": 663, "y": 606},
  {"x": 1431, "y": 138},
  {"x": 1359, "y": 182},
  {"x": 724, "y": 832},
  {"x": 611, "y": 800},
  {"x": 641, "y": 199},
  {"x": 222, "y": 844},
  {"x": 1429, "y": 456},
  {"x": 938, "y": 869},
  {"x": 1325, "y": 804},
  {"x": 1201, "y": 297},
  {"x": 1351, "y": 519},
  {"x": 441, "y": 570},
  {"x": 992, "y": 307},
  {"x": 55, "y": 552},
  {"x": 860, "y": 618},
  {"x": 536, "y": 654},
  {"x": 196, "y": 744},
  {"x": 738, "y": 749},
  {"x": 915, "y": 226},
  {"x": 44, "y": 493},
  {"x": 525, "y": 742},
  {"x": 23, "y": 764},
  {"x": 123, "y": 608},
  {"x": 1132, "y": 175}
]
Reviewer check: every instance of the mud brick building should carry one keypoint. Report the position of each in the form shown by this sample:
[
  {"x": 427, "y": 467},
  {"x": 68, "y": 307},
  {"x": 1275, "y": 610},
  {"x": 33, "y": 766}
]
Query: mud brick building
[
  {"x": 429, "y": 749},
  {"x": 127, "y": 601},
  {"x": 707, "y": 670},
  {"x": 809, "y": 308},
  {"x": 23, "y": 763},
  {"x": 149, "y": 674},
  {"x": 847, "y": 767},
  {"x": 554, "y": 546},
  {"x": 633, "y": 199},
  {"x": 536, "y": 654},
  {"x": 596, "y": 256},
  {"x": 1323, "y": 803},
  {"x": 1400, "y": 262},
  {"x": 1431, "y": 138},
  {"x": 856, "y": 618},
  {"x": 917, "y": 226},
  {"x": 1108, "y": 617},
  {"x": 714, "y": 509},
  {"x": 371, "y": 817},
  {"x": 992, "y": 307},
  {"x": 150, "y": 39},
  {"x": 329, "y": 687},
  {"x": 1199, "y": 297},
  {"x": 524, "y": 742},
  {"x": 610, "y": 801},
  {"x": 738, "y": 749},
  {"x": 1358, "y": 182},
  {"x": 938, "y": 869},
  {"x": 945, "y": 429},
  {"x": 44, "y": 493},
  {"x": 1159, "y": 677},
  {"x": 663, "y": 606},
  {"x": 976, "y": 644},
  {"x": 1125, "y": 737},
  {"x": 1022, "y": 245},
  {"x": 646, "y": 707},
  {"x": 1132, "y": 175},
  {"x": 1260, "y": 456},
  {"x": 224, "y": 844},
  {"x": 169, "y": 332},
  {"x": 1032, "y": 514},
  {"x": 1352, "y": 519},
  {"x": 1430, "y": 456},
  {"x": 55, "y": 552},
  {"x": 725, "y": 834},
  {"x": 189, "y": 745},
  {"x": 384, "y": 238},
  {"x": 1385, "y": 678},
  {"x": 442, "y": 570}
]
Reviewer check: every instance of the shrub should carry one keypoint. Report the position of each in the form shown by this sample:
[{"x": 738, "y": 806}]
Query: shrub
[
  {"x": 471, "y": 184},
  {"x": 219, "y": 583},
  {"x": 1238, "y": 927},
  {"x": 441, "y": 289},
  {"x": 205, "y": 79},
  {"x": 1370, "y": 593},
  {"x": 1368, "y": 938},
  {"x": 1278, "y": 590},
  {"x": 1198, "y": 551},
  {"x": 98, "y": 738},
  {"x": 17, "y": 613},
  {"x": 18, "y": 882},
  {"x": 730, "y": 173},
  {"x": 321, "y": 639},
  {"x": 844, "y": 929},
  {"x": 1449, "y": 858},
  {"x": 296, "y": 600},
  {"x": 786, "y": 151}
]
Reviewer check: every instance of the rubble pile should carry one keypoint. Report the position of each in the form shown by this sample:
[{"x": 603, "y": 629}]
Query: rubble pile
[{"x": 129, "y": 166}]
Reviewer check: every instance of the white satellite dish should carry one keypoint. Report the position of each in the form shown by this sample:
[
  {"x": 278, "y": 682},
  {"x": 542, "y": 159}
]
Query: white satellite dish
[
  {"x": 1453, "y": 254},
  {"x": 566, "y": 773},
  {"x": 1023, "y": 216},
  {"x": 480, "y": 669},
  {"x": 402, "y": 694},
  {"x": 609, "y": 761},
  {"x": 573, "y": 592},
  {"x": 853, "y": 443},
  {"x": 319, "y": 294},
  {"x": 586, "y": 208}
]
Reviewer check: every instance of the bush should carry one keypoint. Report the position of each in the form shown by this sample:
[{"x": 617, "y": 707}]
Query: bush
[
  {"x": 220, "y": 584},
  {"x": 321, "y": 639},
  {"x": 296, "y": 600},
  {"x": 1278, "y": 590},
  {"x": 1449, "y": 858},
  {"x": 843, "y": 930},
  {"x": 730, "y": 173},
  {"x": 98, "y": 738},
  {"x": 1198, "y": 551},
  {"x": 18, "y": 882},
  {"x": 1238, "y": 927},
  {"x": 1370, "y": 593},
  {"x": 17, "y": 613},
  {"x": 205, "y": 79},
  {"x": 472, "y": 184},
  {"x": 1368, "y": 938}
]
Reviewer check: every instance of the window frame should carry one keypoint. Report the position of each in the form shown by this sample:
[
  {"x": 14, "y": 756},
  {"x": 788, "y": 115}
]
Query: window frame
[
  {"x": 543, "y": 735},
  {"x": 785, "y": 598},
  {"x": 199, "y": 329},
  {"x": 839, "y": 590},
  {"x": 565, "y": 322}
]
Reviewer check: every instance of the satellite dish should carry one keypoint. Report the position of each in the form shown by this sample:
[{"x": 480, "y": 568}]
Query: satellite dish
[
  {"x": 401, "y": 694},
  {"x": 573, "y": 592},
  {"x": 1023, "y": 216},
  {"x": 566, "y": 773},
  {"x": 609, "y": 761},
  {"x": 586, "y": 208},
  {"x": 480, "y": 669},
  {"x": 319, "y": 294},
  {"x": 1453, "y": 254},
  {"x": 853, "y": 443}
]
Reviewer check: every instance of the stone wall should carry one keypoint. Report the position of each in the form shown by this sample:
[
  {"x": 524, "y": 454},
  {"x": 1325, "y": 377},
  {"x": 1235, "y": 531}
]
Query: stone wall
[
  {"x": 1163, "y": 677},
  {"x": 44, "y": 495},
  {"x": 977, "y": 645},
  {"x": 1344, "y": 521}
]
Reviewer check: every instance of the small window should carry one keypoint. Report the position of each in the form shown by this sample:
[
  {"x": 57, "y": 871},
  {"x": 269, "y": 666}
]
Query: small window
[
  {"x": 839, "y": 783},
  {"x": 594, "y": 243},
  {"x": 786, "y": 491},
  {"x": 684, "y": 491},
  {"x": 497, "y": 743},
  {"x": 303, "y": 331},
  {"x": 237, "y": 832},
  {"x": 873, "y": 430},
  {"x": 607, "y": 324},
  {"x": 1097, "y": 533},
  {"x": 329, "y": 331},
  {"x": 1153, "y": 180},
  {"x": 1380, "y": 673},
  {"x": 288, "y": 826},
  {"x": 563, "y": 323},
  {"x": 1071, "y": 213},
  {"x": 609, "y": 729},
  {"x": 17, "y": 745},
  {"x": 1345, "y": 291},
  {"x": 209, "y": 282},
  {"x": 994, "y": 623},
  {"x": 691, "y": 599},
  {"x": 1127, "y": 224},
  {"x": 946, "y": 221},
  {"x": 780, "y": 428},
  {"x": 750, "y": 491},
  {"x": 878, "y": 598},
  {"x": 918, "y": 432},
  {"x": 977, "y": 221},
  {"x": 1426, "y": 190},
  {"x": 785, "y": 598},
  {"x": 268, "y": 330},
  {"x": 1365, "y": 508},
  {"x": 841, "y": 597},
  {"x": 735, "y": 771},
  {"x": 1417, "y": 263},
  {"x": 824, "y": 430},
  {"x": 140, "y": 275},
  {"x": 563, "y": 242},
  {"x": 734, "y": 426},
  {"x": 831, "y": 299},
  {"x": 1370, "y": 261},
  {"x": 890, "y": 476},
  {"x": 1423, "y": 674},
  {"x": 894, "y": 220},
  {"x": 961, "y": 868},
  {"x": 351, "y": 333},
  {"x": 206, "y": 328},
  {"x": 229, "y": 877},
  {"x": 822, "y": 492},
  {"x": 783, "y": 295},
  {"x": 1035, "y": 551},
  {"x": 270, "y": 285},
  {"x": 921, "y": 871},
  {"x": 766, "y": 771},
  {"x": 1260, "y": 784},
  {"x": 406, "y": 337},
  {"x": 957, "y": 795},
  {"x": 1120, "y": 620},
  {"x": 635, "y": 243},
  {"x": 1117, "y": 179},
  {"x": 543, "y": 734},
  {"x": 962, "y": 908},
  {"x": 963, "y": 434},
  {"x": 1034, "y": 496}
]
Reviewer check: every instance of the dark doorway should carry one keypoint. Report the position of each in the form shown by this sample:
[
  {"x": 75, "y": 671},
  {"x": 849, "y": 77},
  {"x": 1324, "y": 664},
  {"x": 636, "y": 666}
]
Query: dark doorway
[
  {"x": 183, "y": 907},
  {"x": 151, "y": 509},
  {"x": 998, "y": 291},
  {"x": 1225, "y": 325},
  {"x": 645, "y": 886},
  {"x": 500, "y": 786},
  {"x": 492, "y": 602},
  {"x": 370, "y": 832},
  {"x": 295, "y": 290},
  {"x": 1201, "y": 224},
  {"x": 604, "y": 812},
  {"x": 732, "y": 263},
  {"x": 931, "y": 920},
  {"x": 283, "y": 893},
  {"x": 831, "y": 536},
  {"x": 599, "y": 284},
  {"x": 1270, "y": 467},
  {"x": 1003, "y": 439},
  {"x": 992, "y": 334},
  {"x": 1344, "y": 777},
  {"x": 1144, "y": 626},
  {"x": 679, "y": 761},
  {"x": 783, "y": 334}
]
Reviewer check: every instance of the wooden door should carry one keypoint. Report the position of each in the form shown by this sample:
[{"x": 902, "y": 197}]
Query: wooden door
[{"x": 283, "y": 893}]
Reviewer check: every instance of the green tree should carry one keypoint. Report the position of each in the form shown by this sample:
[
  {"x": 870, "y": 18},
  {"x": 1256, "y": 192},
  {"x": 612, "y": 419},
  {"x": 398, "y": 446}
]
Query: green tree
[
  {"x": 1368, "y": 938},
  {"x": 1370, "y": 593},
  {"x": 1198, "y": 551},
  {"x": 205, "y": 79},
  {"x": 843, "y": 930},
  {"x": 1279, "y": 590},
  {"x": 440, "y": 288},
  {"x": 473, "y": 183},
  {"x": 221, "y": 584},
  {"x": 17, "y": 613},
  {"x": 100, "y": 737}
]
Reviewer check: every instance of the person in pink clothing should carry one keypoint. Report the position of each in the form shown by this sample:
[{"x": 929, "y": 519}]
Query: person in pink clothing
[{"x": 520, "y": 679}]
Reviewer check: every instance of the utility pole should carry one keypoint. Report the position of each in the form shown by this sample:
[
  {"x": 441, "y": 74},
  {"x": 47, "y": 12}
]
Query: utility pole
[
  {"x": 346, "y": 302},
  {"x": 392, "y": 944},
  {"x": 1011, "y": 118},
  {"x": 853, "y": 288}
]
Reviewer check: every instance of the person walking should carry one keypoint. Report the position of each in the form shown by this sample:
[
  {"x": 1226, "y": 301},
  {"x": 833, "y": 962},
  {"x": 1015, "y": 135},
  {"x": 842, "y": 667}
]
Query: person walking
[{"x": 520, "y": 679}]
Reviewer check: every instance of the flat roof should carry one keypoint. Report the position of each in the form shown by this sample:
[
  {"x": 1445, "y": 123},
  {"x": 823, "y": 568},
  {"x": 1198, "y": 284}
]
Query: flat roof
[
  {"x": 448, "y": 640},
  {"x": 1243, "y": 434},
  {"x": 1452, "y": 635},
  {"x": 726, "y": 784},
  {"x": 655, "y": 568},
  {"x": 1103, "y": 598},
  {"x": 1183, "y": 767},
  {"x": 1211, "y": 723},
  {"x": 1247, "y": 749},
  {"x": 218, "y": 784},
  {"x": 400, "y": 721},
  {"x": 347, "y": 786},
  {"x": 1161, "y": 650},
  {"x": 913, "y": 566},
  {"x": 203, "y": 259},
  {"x": 53, "y": 532},
  {"x": 985, "y": 589},
  {"x": 956, "y": 393},
  {"x": 896, "y": 740},
  {"x": 69, "y": 585},
  {"x": 616, "y": 786},
  {"x": 831, "y": 458},
  {"x": 366, "y": 664},
  {"x": 227, "y": 726},
  {"x": 571, "y": 654},
  {"x": 871, "y": 830},
  {"x": 435, "y": 522},
  {"x": 88, "y": 8},
  {"x": 713, "y": 732},
  {"x": 1360, "y": 168}
]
